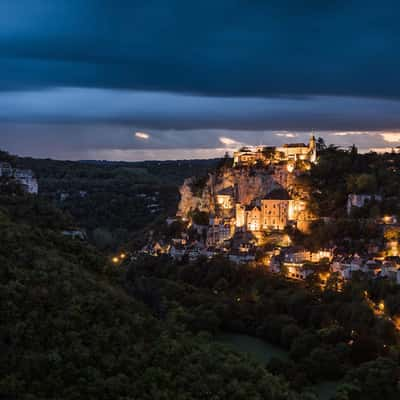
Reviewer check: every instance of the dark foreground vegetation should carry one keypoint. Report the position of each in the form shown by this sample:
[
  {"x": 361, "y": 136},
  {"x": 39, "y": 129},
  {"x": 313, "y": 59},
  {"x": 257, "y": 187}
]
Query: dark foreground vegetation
[
  {"x": 338, "y": 173},
  {"x": 70, "y": 331},
  {"x": 330, "y": 335}
]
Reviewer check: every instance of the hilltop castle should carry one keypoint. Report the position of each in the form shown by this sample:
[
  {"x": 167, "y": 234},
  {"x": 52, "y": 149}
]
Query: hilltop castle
[{"x": 248, "y": 156}]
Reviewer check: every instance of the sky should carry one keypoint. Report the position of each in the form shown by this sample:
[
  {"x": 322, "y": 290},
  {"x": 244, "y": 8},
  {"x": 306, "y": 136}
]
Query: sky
[{"x": 156, "y": 79}]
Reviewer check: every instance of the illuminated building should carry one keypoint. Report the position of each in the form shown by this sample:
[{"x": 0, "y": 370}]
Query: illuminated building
[{"x": 248, "y": 156}]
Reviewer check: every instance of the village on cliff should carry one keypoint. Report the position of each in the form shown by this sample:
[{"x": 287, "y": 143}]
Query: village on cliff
[{"x": 245, "y": 208}]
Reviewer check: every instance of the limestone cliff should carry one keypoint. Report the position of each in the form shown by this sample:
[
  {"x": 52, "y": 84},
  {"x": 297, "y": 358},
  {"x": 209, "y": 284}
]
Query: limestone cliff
[
  {"x": 194, "y": 197},
  {"x": 247, "y": 184}
]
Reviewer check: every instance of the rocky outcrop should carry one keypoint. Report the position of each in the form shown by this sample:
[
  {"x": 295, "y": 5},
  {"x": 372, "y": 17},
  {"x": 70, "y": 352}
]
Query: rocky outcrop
[
  {"x": 195, "y": 199},
  {"x": 248, "y": 184}
]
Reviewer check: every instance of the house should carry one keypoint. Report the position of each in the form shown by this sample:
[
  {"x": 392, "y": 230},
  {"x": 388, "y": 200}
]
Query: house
[
  {"x": 224, "y": 199},
  {"x": 219, "y": 230},
  {"x": 27, "y": 180},
  {"x": 6, "y": 170},
  {"x": 372, "y": 268},
  {"x": 297, "y": 270},
  {"x": 177, "y": 252},
  {"x": 194, "y": 254},
  {"x": 389, "y": 270},
  {"x": 75, "y": 234},
  {"x": 210, "y": 252},
  {"x": 200, "y": 229},
  {"x": 346, "y": 266},
  {"x": 161, "y": 247},
  {"x": 275, "y": 264},
  {"x": 153, "y": 207},
  {"x": 171, "y": 220},
  {"x": 389, "y": 220},
  {"x": 241, "y": 258},
  {"x": 25, "y": 177},
  {"x": 64, "y": 196},
  {"x": 275, "y": 210},
  {"x": 360, "y": 200}
]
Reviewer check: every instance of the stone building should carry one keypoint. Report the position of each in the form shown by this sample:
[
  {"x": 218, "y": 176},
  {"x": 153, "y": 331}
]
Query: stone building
[
  {"x": 219, "y": 230},
  {"x": 274, "y": 214},
  {"x": 25, "y": 177},
  {"x": 275, "y": 210},
  {"x": 253, "y": 218},
  {"x": 224, "y": 199},
  {"x": 360, "y": 200},
  {"x": 248, "y": 156},
  {"x": 27, "y": 180}
]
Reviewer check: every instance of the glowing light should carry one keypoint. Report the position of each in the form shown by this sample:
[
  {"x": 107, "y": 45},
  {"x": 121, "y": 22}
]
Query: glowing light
[
  {"x": 122, "y": 256},
  {"x": 391, "y": 137},
  {"x": 115, "y": 260},
  {"x": 142, "y": 135},
  {"x": 287, "y": 134},
  {"x": 290, "y": 167},
  {"x": 381, "y": 306},
  {"x": 253, "y": 226},
  {"x": 350, "y": 133},
  {"x": 228, "y": 141}
]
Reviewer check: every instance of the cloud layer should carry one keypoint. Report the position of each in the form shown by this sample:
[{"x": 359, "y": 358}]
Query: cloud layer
[
  {"x": 79, "y": 78},
  {"x": 228, "y": 47}
]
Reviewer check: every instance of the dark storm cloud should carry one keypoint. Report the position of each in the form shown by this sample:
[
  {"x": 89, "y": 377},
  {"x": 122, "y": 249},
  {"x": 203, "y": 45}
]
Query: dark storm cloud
[
  {"x": 172, "y": 111},
  {"x": 78, "y": 78},
  {"x": 225, "y": 47}
]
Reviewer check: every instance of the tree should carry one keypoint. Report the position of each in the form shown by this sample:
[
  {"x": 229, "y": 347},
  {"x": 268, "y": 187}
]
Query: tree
[
  {"x": 103, "y": 238},
  {"x": 321, "y": 145},
  {"x": 374, "y": 380}
]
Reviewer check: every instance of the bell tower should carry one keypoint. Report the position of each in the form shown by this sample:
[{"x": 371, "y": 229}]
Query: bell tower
[{"x": 312, "y": 149}]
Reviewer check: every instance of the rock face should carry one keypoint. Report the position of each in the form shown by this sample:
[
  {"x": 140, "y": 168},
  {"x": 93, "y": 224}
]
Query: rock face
[
  {"x": 247, "y": 184},
  {"x": 200, "y": 199}
]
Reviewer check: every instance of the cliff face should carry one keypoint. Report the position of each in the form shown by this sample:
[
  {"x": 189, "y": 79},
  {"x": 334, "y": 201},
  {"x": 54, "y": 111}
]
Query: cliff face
[
  {"x": 247, "y": 184},
  {"x": 191, "y": 199}
]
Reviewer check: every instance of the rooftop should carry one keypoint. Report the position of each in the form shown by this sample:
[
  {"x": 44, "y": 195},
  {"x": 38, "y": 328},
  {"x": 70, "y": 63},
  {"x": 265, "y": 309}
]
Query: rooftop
[{"x": 295, "y": 145}]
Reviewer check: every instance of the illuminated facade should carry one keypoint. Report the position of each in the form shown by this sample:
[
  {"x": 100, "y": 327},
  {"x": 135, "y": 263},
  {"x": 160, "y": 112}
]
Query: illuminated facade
[
  {"x": 254, "y": 219},
  {"x": 249, "y": 156},
  {"x": 224, "y": 201},
  {"x": 275, "y": 214}
]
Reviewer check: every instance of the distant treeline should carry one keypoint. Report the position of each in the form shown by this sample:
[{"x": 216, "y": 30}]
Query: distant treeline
[{"x": 113, "y": 201}]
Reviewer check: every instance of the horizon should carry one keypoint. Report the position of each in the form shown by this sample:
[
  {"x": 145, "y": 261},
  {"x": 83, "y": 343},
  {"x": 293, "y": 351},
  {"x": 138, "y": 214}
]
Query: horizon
[{"x": 215, "y": 153}]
